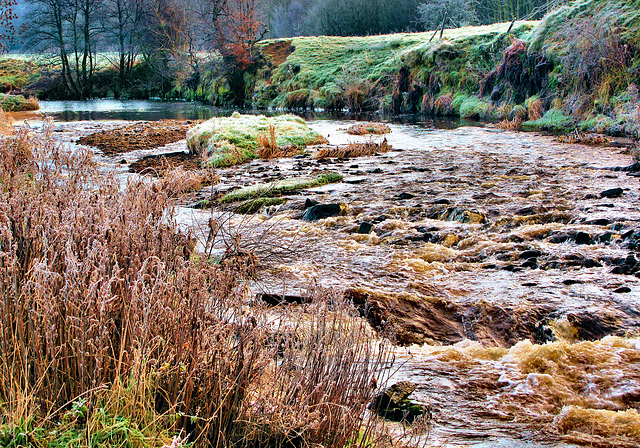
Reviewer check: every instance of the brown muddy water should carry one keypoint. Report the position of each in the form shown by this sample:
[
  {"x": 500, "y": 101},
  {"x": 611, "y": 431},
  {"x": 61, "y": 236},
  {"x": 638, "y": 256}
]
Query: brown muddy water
[{"x": 506, "y": 279}]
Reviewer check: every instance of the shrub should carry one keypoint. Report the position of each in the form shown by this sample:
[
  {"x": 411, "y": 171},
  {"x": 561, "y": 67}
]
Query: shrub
[{"x": 18, "y": 103}]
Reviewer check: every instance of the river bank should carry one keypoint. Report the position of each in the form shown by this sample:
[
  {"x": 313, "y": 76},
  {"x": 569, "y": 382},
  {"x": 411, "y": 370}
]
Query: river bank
[{"x": 531, "y": 75}]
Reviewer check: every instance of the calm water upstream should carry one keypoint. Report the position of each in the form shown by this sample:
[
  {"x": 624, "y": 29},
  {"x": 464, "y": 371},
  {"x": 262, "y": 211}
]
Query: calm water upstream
[{"x": 516, "y": 310}]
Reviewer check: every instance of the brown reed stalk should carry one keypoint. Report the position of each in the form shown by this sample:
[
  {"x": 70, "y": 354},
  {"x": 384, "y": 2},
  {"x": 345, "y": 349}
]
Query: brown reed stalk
[{"x": 104, "y": 299}]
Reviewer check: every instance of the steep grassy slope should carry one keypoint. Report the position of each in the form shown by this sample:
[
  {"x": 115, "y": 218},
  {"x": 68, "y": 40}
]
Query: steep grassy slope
[
  {"x": 577, "y": 68},
  {"x": 361, "y": 73}
]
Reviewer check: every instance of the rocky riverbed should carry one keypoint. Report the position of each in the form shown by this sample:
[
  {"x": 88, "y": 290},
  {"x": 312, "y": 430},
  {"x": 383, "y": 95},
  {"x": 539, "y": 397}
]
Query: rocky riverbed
[{"x": 504, "y": 265}]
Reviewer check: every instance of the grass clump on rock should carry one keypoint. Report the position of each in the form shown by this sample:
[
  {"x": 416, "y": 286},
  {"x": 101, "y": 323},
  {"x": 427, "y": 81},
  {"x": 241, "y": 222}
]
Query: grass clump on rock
[
  {"x": 234, "y": 140},
  {"x": 281, "y": 187},
  {"x": 369, "y": 128}
]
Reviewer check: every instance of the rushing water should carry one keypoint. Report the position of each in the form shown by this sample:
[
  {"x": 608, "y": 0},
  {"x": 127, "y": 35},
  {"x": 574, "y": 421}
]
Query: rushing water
[{"x": 488, "y": 385}]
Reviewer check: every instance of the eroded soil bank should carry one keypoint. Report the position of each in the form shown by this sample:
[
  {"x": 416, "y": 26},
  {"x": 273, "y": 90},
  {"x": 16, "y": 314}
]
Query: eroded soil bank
[{"x": 504, "y": 252}]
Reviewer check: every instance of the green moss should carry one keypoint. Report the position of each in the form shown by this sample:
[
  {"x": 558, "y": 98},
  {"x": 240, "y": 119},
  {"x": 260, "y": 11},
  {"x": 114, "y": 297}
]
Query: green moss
[
  {"x": 553, "y": 120},
  {"x": 17, "y": 103},
  {"x": 234, "y": 140},
  {"x": 472, "y": 106},
  {"x": 330, "y": 67},
  {"x": 254, "y": 205},
  {"x": 281, "y": 187}
]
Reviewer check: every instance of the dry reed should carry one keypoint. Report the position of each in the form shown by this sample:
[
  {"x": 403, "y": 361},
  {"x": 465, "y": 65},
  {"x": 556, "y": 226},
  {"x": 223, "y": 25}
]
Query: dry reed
[
  {"x": 511, "y": 125},
  {"x": 268, "y": 146},
  {"x": 105, "y": 306},
  {"x": 353, "y": 150},
  {"x": 369, "y": 128}
]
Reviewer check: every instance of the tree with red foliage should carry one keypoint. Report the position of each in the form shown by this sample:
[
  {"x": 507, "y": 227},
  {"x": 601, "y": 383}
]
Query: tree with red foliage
[
  {"x": 237, "y": 26},
  {"x": 6, "y": 24}
]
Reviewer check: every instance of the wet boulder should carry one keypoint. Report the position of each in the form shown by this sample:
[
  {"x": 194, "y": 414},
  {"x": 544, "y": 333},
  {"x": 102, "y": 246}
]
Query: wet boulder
[
  {"x": 526, "y": 211},
  {"x": 405, "y": 196},
  {"x": 460, "y": 215},
  {"x": 626, "y": 266},
  {"x": 528, "y": 254},
  {"x": 394, "y": 404},
  {"x": 365, "y": 228},
  {"x": 583, "y": 238},
  {"x": 612, "y": 193},
  {"x": 590, "y": 326},
  {"x": 322, "y": 211}
]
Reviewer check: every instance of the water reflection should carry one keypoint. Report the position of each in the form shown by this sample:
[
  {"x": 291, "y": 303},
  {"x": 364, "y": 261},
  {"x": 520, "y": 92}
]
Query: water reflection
[
  {"x": 128, "y": 110},
  {"x": 152, "y": 110}
]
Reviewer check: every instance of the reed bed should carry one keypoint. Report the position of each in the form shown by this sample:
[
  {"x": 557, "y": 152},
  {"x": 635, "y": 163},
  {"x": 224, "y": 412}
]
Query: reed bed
[
  {"x": 116, "y": 332},
  {"x": 353, "y": 150}
]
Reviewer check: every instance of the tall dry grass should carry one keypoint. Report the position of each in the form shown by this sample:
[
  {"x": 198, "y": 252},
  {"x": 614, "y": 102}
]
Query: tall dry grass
[
  {"x": 106, "y": 306},
  {"x": 353, "y": 150}
]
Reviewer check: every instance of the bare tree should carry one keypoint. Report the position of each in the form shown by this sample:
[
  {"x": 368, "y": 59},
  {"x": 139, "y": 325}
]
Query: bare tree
[
  {"x": 68, "y": 30},
  {"x": 6, "y": 24},
  {"x": 122, "y": 22}
]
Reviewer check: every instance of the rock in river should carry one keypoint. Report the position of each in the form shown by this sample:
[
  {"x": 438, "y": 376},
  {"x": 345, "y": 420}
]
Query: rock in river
[
  {"x": 365, "y": 228},
  {"x": 322, "y": 211},
  {"x": 612, "y": 193},
  {"x": 394, "y": 403}
]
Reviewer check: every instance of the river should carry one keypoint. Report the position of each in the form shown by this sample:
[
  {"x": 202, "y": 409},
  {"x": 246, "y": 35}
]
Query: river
[{"x": 511, "y": 275}]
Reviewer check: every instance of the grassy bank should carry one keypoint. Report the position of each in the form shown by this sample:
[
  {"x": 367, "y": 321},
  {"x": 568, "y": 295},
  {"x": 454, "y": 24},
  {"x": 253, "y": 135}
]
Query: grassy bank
[
  {"x": 18, "y": 103},
  {"x": 575, "y": 69}
]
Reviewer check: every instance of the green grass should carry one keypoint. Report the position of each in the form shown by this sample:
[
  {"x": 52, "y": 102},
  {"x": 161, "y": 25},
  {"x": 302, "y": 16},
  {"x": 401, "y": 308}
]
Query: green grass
[
  {"x": 326, "y": 68},
  {"x": 254, "y": 205},
  {"x": 280, "y": 187},
  {"x": 472, "y": 106},
  {"x": 233, "y": 140},
  {"x": 554, "y": 120},
  {"x": 17, "y": 103}
]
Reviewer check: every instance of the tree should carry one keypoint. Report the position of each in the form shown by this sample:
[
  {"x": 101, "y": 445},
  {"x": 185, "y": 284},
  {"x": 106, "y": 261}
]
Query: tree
[
  {"x": 6, "y": 24},
  {"x": 122, "y": 22},
  {"x": 168, "y": 42},
  {"x": 69, "y": 30},
  {"x": 460, "y": 12},
  {"x": 237, "y": 26}
]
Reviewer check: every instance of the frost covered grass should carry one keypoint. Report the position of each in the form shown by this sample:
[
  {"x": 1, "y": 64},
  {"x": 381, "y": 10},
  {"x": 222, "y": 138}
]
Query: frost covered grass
[
  {"x": 281, "y": 187},
  {"x": 17, "y": 103},
  {"x": 117, "y": 332},
  {"x": 234, "y": 140}
]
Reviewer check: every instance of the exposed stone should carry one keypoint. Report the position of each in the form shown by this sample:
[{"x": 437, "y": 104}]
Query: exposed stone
[
  {"x": 308, "y": 203},
  {"x": 403, "y": 196},
  {"x": 530, "y": 254},
  {"x": 583, "y": 238},
  {"x": 612, "y": 193},
  {"x": 393, "y": 403},
  {"x": 322, "y": 211},
  {"x": 459, "y": 215},
  {"x": 526, "y": 211},
  {"x": 365, "y": 228}
]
